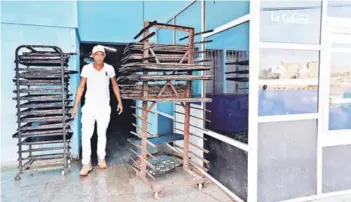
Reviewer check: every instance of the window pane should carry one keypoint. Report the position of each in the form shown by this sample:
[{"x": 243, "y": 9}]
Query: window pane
[
  {"x": 290, "y": 21},
  {"x": 340, "y": 91},
  {"x": 297, "y": 92},
  {"x": 287, "y": 160},
  {"x": 339, "y": 8},
  {"x": 221, "y": 12},
  {"x": 165, "y": 36},
  {"x": 336, "y": 172},
  {"x": 190, "y": 17},
  {"x": 229, "y": 106},
  {"x": 227, "y": 160}
]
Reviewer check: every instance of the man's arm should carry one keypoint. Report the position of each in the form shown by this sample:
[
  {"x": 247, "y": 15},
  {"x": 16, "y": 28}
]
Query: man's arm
[
  {"x": 117, "y": 93},
  {"x": 79, "y": 95}
]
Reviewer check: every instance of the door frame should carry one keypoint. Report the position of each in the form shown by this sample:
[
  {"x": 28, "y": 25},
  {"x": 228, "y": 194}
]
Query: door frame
[{"x": 333, "y": 26}]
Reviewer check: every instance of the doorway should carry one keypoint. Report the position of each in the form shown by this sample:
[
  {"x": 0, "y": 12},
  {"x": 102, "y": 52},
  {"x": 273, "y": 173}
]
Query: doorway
[{"x": 120, "y": 125}]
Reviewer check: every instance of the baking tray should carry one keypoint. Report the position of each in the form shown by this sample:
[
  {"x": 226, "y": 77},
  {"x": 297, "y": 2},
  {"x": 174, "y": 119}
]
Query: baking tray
[
  {"x": 46, "y": 111},
  {"x": 45, "y": 97},
  {"x": 47, "y": 132},
  {"x": 44, "y": 104}
]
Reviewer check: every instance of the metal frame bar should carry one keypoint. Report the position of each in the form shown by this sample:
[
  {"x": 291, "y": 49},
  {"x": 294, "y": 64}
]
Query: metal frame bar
[
  {"x": 293, "y": 117},
  {"x": 229, "y": 25},
  {"x": 319, "y": 196},
  {"x": 322, "y": 94},
  {"x": 252, "y": 185}
]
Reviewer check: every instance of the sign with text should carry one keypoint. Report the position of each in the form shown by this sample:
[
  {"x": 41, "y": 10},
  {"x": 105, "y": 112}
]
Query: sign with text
[{"x": 290, "y": 18}]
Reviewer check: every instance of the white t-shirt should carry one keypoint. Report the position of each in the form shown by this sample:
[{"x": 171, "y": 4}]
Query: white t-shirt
[{"x": 98, "y": 82}]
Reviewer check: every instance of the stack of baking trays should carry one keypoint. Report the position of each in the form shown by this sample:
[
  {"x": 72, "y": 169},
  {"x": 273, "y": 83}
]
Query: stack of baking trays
[
  {"x": 43, "y": 104},
  {"x": 168, "y": 62},
  {"x": 165, "y": 72}
]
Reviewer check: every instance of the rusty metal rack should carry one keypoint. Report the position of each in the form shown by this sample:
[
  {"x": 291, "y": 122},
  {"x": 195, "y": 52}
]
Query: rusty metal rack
[
  {"x": 153, "y": 72},
  {"x": 43, "y": 105}
]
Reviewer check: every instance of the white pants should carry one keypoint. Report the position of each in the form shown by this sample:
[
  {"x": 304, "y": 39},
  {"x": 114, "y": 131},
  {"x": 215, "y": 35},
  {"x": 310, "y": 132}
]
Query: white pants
[{"x": 90, "y": 114}]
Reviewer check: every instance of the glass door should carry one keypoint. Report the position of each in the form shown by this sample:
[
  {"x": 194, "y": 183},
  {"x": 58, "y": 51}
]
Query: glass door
[{"x": 337, "y": 82}]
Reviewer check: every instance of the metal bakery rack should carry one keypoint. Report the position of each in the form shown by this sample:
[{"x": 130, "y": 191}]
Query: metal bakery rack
[
  {"x": 151, "y": 73},
  {"x": 43, "y": 104}
]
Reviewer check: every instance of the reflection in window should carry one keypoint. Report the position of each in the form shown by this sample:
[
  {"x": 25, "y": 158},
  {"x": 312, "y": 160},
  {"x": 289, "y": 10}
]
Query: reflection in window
[
  {"x": 237, "y": 72},
  {"x": 290, "y": 21},
  {"x": 288, "y": 64},
  {"x": 219, "y": 13},
  {"x": 215, "y": 86},
  {"x": 340, "y": 92},
  {"x": 229, "y": 86},
  {"x": 297, "y": 93},
  {"x": 340, "y": 9}
]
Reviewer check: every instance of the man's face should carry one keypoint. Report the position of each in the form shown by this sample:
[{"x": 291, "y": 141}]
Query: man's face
[{"x": 99, "y": 58}]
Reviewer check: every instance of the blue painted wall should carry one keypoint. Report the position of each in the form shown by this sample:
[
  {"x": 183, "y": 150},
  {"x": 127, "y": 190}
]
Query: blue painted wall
[
  {"x": 21, "y": 24},
  {"x": 120, "y": 21},
  {"x": 109, "y": 21},
  {"x": 66, "y": 24},
  {"x": 44, "y": 13}
]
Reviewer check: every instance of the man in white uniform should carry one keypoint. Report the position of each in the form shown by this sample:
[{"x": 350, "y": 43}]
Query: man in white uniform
[{"x": 97, "y": 76}]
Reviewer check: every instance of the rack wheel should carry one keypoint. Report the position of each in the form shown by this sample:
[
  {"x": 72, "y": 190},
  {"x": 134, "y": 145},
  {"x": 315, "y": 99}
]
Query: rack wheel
[
  {"x": 158, "y": 195},
  {"x": 200, "y": 186},
  {"x": 18, "y": 177}
]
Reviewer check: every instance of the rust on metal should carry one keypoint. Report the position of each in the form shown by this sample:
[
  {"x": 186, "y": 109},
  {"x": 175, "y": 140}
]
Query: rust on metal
[
  {"x": 142, "y": 109},
  {"x": 144, "y": 106},
  {"x": 143, "y": 130},
  {"x": 200, "y": 148},
  {"x": 149, "y": 73},
  {"x": 133, "y": 133},
  {"x": 203, "y": 138},
  {"x": 148, "y": 37},
  {"x": 143, "y": 159},
  {"x": 198, "y": 166},
  {"x": 196, "y": 34},
  {"x": 195, "y": 155},
  {"x": 141, "y": 118},
  {"x": 194, "y": 117}
]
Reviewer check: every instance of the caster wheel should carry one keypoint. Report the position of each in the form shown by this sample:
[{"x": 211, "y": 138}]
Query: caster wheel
[
  {"x": 200, "y": 186},
  {"x": 18, "y": 177},
  {"x": 158, "y": 195}
]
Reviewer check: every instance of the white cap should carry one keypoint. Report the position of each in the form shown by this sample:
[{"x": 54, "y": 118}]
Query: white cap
[{"x": 98, "y": 48}]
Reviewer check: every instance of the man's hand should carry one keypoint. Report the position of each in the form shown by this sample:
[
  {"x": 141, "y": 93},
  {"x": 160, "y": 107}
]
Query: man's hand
[
  {"x": 74, "y": 111},
  {"x": 118, "y": 95},
  {"x": 120, "y": 108}
]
